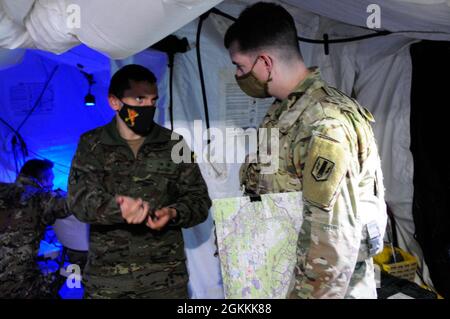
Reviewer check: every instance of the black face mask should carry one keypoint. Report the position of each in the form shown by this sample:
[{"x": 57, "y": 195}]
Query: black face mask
[{"x": 138, "y": 118}]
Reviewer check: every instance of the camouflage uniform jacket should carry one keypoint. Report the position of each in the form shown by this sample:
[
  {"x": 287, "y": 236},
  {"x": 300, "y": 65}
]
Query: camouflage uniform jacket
[
  {"x": 328, "y": 151},
  {"x": 104, "y": 166},
  {"x": 25, "y": 211}
]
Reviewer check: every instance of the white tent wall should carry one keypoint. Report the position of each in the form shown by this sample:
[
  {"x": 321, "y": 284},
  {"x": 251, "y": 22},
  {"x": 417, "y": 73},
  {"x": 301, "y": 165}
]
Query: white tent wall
[
  {"x": 430, "y": 19},
  {"x": 222, "y": 179},
  {"x": 388, "y": 94}
]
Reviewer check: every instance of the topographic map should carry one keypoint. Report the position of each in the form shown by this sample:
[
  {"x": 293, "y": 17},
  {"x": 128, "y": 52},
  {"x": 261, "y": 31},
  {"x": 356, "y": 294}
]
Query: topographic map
[{"x": 257, "y": 243}]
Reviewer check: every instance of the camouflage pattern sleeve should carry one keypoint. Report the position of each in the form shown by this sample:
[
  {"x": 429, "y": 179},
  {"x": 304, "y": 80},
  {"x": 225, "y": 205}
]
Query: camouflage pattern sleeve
[
  {"x": 87, "y": 198},
  {"x": 193, "y": 200},
  {"x": 53, "y": 205},
  {"x": 330, "y": 237}
]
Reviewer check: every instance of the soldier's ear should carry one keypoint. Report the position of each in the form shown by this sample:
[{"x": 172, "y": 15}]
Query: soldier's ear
[
  {"x": 114, "y": 102},
  {"x": 267, "y": 60}
]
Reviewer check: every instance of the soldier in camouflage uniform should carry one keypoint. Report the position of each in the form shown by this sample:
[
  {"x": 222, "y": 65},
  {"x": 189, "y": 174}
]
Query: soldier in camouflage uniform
[
  {"x": 124, "y": 182},
  {"x": 327, "y": 150},
  {"x": 26, "y": 208}
]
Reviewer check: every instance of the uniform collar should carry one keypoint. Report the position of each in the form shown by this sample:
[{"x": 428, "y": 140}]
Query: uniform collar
[
  {"x": 23, "y": 180},
  {"x": 290, "y": 108},
  {"x": 312, "y": 82},
  {"x": 110, "y": 135}
]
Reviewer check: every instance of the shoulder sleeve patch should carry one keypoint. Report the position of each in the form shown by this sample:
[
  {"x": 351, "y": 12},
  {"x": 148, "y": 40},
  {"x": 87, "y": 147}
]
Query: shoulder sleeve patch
[{"x": 325, "y": 168}]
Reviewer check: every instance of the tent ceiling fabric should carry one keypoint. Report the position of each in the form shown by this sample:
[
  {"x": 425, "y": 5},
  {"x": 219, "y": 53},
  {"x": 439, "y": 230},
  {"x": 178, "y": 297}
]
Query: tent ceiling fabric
[
  {"x": 430, "y": 18},
  {"x": 17, "y": 10},
  {"x": 115, "y": 27},
  {"x": 121, "y": 29}
]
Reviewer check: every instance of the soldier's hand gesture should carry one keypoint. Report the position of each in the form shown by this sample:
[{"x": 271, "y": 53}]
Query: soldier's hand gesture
[
  {"x": 134, "y": 211},
  {"x": 162, "y": 217}
]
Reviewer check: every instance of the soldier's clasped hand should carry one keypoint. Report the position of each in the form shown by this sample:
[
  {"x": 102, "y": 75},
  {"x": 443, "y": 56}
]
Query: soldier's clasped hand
[
  {"x": 134, "y": 211},
  {"x": 162, "y": 217}
]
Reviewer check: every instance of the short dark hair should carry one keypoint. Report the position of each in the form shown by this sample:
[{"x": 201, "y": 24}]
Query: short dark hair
[
  {"x": 264, "y": 25},
  {"x": 120, "y": 81},
  {"x": 36, "y": 168}
]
